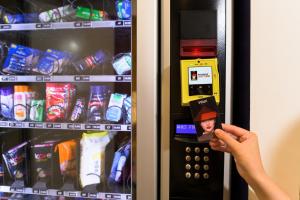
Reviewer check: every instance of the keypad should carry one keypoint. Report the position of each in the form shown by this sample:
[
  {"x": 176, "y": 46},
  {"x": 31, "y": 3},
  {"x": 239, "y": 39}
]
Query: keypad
[{"x": 197, "y": 163}]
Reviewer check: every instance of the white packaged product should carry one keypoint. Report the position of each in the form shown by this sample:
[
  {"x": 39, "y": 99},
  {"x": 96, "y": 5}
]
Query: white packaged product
[{"x": 92, "y": 157}]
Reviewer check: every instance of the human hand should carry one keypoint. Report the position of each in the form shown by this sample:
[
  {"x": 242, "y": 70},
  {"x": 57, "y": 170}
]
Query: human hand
[{"x": 243, "y": 145}]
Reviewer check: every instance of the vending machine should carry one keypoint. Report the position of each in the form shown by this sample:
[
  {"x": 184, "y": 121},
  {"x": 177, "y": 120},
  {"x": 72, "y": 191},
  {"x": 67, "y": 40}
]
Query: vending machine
[{"x": 68, "y": 96}]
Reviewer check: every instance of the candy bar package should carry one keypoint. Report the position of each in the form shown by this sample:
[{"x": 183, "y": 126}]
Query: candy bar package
[
  {"x": 114, "y": 110},
  {"x": 21, "y": 60},
  {"x": 15, "y": 159},
  {"x": 120, "y": 170},
  {"x": 92, "y": 157},
  {"x": 206, "y": 117},
  {"x": 78, "y": 110},
  {"x": 45, "y": 164},
  {"x": 122, "y": 63},
  {"x": 92, "y": 61},
  {"x": 53, "y": 62},
  {"x": 98, "y": 102},
  {"x": 59, "y": 98}
]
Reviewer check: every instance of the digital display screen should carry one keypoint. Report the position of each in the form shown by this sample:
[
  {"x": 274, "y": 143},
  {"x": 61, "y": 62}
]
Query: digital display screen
[
  {"x": 185, "y": 129},
  {"x": 200, "y": 75}
]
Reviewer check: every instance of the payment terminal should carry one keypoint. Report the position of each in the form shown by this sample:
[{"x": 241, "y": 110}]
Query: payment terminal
[{"x": 197, "y": 60}]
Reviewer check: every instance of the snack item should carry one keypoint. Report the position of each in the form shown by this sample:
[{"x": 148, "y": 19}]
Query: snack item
[
  {"x": 53, "y": 62},
  {"x": 57, "y": 14},
  {"x": 120, "y": 167},
  {"x": 88, "y": 14},
  {"x": 78, "y": 110},
  {"x": 15, "y": 160},
  {"x": 20, "y": 59},
  {"x": 44, "y": 157},
  {"x": 122, "y": 63},
  {"x": 91, "y": 61},
  {"x": 114, "y": 110},
  {"x": 20, "y": 106},
  {"x": 98, "y": 102},
  {"x": 92, "y": 157},
  {"x": 9, "y": 18},
  {"x": 7, "y": 102},
  {"x": 127, "y": 110},
  {"x": 123, "y": 9},
  {"x": 37, "y": 110},
  {"x": 30, "y": 95},
  {"x": 59, "y": 98},
  {"x": 67, "y": 158}
]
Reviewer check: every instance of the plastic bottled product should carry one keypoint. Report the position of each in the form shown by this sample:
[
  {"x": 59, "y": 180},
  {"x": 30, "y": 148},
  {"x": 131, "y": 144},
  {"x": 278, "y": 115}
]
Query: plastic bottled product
[
  {"x": 122, "y": 63},
  {"x": 114, "y": 110},
  {"x": 123, "y": 8},
  {"x": 97, "y": 105},
  {"x": 7, "y": 102},
  {"x": 20, "y": 110},
  {"x": 57, "y": 14}
]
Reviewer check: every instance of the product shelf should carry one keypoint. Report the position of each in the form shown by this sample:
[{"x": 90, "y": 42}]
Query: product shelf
[
  {"x": 66, "y": 78},
  {"x": 54, "y": 192},
  {"x": 65, "y": 25},
  {"x": 66, "y": 126}
]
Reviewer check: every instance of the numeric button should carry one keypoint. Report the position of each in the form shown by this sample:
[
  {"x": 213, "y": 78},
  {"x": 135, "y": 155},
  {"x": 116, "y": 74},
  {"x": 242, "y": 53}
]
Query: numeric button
[
  {"x": 188, "y": 149},
  {"x": 197, "y": 167},
  {"x": 197, "y": 158},
  {"x": 206, "y": 176},
  {"x": 197, "y": 150},
  {"x": 206, "y": 150},
  {"x": 188, "y": 158},
  {"x": 196, "y": 175},
  {"x": 188, "y": 167},
  {"x": 188, "y": 175},
  {"x": 206, "y": 158},
  {"x": 205, "y": 167}
]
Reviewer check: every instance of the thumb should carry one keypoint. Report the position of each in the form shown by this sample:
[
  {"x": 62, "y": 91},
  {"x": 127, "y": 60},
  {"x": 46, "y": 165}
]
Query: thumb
[{"x": 225, "y": 137}]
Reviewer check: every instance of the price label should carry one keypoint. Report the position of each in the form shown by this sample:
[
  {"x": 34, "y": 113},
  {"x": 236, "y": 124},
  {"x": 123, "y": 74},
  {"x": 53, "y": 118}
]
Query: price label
[
  {"x": 77, "y": 24},
  {"x": 127, "y": 23},
  {"x": 95, "y": 126},
  {"x": 108, "y": 127},
  {"x": 47, "y": 78},
  {"x": 3, "y": 124},
  {"x": 4, "y": 78},
  {"x": 17, "y": 125},
  {"x": 12, "y": 189},
  {"x": 43, "y": 25},
  {"x": 119, "y": 23},
  {"x": 43, "y": 192},
  {"x": 6, "y": 26},
  {"x": 31, "y": 125},
  {"x": 77, "y": 126},
  {"x": 35, "y": 191},
  {"x": 113, "y": 196},
  {"x": 72, "y": 194},
  {"x": 82, "y": 78},
  {"x": 57, "y": 125},
  {"x": 49, "y": 125},
  {"x": 20, "y": 190},
  {"x": 128, "y": 196},
  {"x": 39, "y": 125},
  {"x": 129, "y": 128},
  {"x": 88, "y": 126},
  {"x": 60, "y": 193},
  {"x": 70, "y": 126},
  {"x": 39, "y": 78},
  {"x": 127, "y": 78},
  {"x": 86, "y": 24},
  {"x": 93, "y": 195},
  {"x": 119, "y": 78},
  {"x": 12, "y": 78},
  {"x": 84, "y": 194},
  {"x": 117, "y": 127}
]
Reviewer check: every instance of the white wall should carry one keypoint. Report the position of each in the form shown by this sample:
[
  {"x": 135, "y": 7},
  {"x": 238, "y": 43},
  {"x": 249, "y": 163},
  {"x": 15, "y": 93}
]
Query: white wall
[{"x": 275, "y": 88}]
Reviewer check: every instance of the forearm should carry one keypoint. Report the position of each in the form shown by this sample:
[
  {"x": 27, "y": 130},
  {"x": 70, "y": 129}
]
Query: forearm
[{"x": 266, "y": 189}]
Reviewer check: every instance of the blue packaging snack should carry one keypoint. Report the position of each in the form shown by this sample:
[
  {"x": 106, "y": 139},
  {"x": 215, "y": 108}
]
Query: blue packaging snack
[
  {"x": 20, "y": 59},
  {"x": 53, "y": 61},
  {"x": 15, "y": 160}
]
